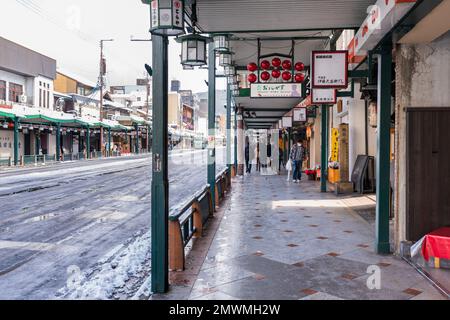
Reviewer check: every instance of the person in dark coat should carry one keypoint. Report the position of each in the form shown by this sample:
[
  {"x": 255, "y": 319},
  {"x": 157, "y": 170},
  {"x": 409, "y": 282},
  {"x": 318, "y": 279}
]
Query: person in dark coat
[{"x": 248, "y": 163}]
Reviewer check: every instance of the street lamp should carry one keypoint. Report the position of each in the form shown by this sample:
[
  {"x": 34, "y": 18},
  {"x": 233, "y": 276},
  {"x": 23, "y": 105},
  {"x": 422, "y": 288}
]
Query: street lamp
[
  {"x": 225, "y": 58},
  {"x": 193, "y": 49},
  {"x": 166, "y": 17},
  {"x": 221, "y": 43}
]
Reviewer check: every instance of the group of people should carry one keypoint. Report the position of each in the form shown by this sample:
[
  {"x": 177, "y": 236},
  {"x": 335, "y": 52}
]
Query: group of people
[{"x": 297, "y": 155}]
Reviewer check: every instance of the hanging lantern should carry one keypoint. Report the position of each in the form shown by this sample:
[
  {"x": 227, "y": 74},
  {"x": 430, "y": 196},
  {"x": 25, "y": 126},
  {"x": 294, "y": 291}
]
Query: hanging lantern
[
  {"x": 265, "y": 65},
  {"x": 193, "y": 49},
  {"x": 276, "y": 73},
  {"x": 287, "y": 76},
  {"x": 232, "y": 80},
  {"x": 276, "y": 62},
  {"x": 299, "y": 66},
  {"x": 252, "y": 78},
  {"x": 225, "y": 58},
  {"x": 252, "y": 67},
  {"x": 167, "y": 17},
  {"x": 234, "y": 87},
  {"x": 221, "y": 43},
  {"x": 299, "y": 77},
  {"x": 229, "y": 71},
  {"x": 265, "y": 76},
  {"x": 236, "y": 93},
  {"x": 287, "y": 65}
]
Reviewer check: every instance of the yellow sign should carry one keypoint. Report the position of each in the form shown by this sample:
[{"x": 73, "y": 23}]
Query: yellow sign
[{"x": 334, "y": 145}]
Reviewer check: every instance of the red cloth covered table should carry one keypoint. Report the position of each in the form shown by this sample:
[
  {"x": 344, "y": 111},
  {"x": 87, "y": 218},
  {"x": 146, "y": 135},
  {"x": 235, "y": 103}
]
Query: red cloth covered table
[{"x": 437, "y": 244}]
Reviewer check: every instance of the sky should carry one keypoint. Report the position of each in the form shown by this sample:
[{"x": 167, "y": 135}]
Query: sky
[{"x": 69, "y": 31}]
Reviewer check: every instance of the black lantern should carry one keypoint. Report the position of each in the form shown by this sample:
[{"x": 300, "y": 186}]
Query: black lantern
[
  {"x": 193, "y": 49},
  {"x": 166, "y": 17},
  {"x": 225, "y": 58},
  {"x": 221, "y": 43}
]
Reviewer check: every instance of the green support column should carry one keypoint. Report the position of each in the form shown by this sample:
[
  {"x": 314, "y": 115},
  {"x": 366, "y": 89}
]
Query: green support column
[
  {"x": 16, "y": 141},
  {"x": 383, "y": 152},
  {"x": 88, "y": 142},
  {"x": 136, "y": 127},
  {"x": 212, "y": 121},
  {"x": 58, "y": 142},
  {"x": 229, "y": 131},
  {"x": 160, "y": 180},
  {"x": 235, "y": 140},
  {"x": 324, "y": 151},
  {"x": 108, "y": 154}
]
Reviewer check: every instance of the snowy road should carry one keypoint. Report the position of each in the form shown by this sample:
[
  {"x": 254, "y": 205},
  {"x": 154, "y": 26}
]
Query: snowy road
[{"x": 73, "y": 214}]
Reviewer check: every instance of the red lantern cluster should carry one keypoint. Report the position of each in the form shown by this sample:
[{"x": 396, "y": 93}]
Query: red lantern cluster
[{"x": 277, "y": 72}]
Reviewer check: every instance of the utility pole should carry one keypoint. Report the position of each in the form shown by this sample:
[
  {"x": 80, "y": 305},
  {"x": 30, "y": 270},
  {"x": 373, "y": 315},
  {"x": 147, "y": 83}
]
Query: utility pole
[
  {"x": 102, "y": 75},
  {"x": 149, "y": 74}
]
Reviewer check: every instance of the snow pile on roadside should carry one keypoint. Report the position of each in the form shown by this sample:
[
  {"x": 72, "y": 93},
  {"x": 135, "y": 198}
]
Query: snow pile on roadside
[{"x": 120, "y": 274}]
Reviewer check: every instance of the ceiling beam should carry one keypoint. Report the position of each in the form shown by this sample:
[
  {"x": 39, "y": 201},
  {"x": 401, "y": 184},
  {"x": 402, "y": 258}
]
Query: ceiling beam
[
  {"x": 268, "y": 109},
  {"x": 356, "y": 28}
]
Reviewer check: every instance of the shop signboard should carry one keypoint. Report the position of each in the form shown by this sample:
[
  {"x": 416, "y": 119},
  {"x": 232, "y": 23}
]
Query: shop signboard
[
  {"x": 188, "y": 117},
  {"x": 276, "y": 90},
  {"x": 329, "y": 69},
  {"x": 383, "y": 15},
  {"x": 300, "y": 115},
  {"x": 334, "y": 145},
  {"x": 287, "y": 122},
  {"x": 323, "y": 96}
]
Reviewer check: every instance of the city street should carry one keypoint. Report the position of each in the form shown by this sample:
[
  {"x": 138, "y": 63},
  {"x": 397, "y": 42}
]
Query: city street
[{"x": 70, "y": 220}]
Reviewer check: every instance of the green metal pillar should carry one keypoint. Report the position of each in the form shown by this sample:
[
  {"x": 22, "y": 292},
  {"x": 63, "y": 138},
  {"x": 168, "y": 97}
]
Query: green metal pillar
[
  {"x": 108, "y": 152},
  {"x": 136, "y": 127},
  {"x": 212, "y": 121},
  {"x": 235, "y": 140},
  {"x": 324, "y": 151},
  {"x": 16, "y": 141},
  {"x": 88, "y": 142},
  {"x": 383, "y": 152},
  {"x": 160, "y": 180},
  {"x": 58, "y": 142},
  {"x": 229, "y": 131}
]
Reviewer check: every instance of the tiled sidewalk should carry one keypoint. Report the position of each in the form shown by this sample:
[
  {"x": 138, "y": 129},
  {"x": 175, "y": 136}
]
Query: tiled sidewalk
[{"x": 280, "y": 240}]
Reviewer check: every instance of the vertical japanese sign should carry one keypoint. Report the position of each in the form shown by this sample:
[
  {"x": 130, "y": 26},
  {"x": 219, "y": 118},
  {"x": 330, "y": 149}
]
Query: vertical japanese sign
[
  {"x": 329, "y": 69},
  {"x": 334, "y": 145}
]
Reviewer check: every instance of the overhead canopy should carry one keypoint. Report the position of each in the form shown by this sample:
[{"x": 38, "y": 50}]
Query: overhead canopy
[
  {"x": 266, "y": 15},
  {"x": 309, "y": 23}
]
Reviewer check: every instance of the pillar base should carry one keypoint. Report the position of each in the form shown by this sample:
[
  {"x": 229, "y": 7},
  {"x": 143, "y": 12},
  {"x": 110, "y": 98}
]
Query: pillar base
[
  {"x": 240, "y": 170},
  {"x": 383, "y": 248}
]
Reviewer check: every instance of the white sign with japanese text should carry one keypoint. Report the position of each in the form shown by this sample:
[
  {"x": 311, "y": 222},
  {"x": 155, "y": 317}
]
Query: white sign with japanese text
[
  {"x": 323, "y": 96},
  {"x": 276, "y": 90},
  {"x": 329, "y": 69},
  {"x": 287, "y": 122},
  {"x": 300, "y": 115}
]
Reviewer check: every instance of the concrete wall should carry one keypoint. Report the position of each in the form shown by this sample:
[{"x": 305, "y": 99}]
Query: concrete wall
[{"x": 422, "y": 80}]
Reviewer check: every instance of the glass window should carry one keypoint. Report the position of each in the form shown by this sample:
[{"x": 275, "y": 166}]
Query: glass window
[
  {"x": 40, "y": 97},
  {"x": 48, "y": 99},
  {"x": 15, "y": 91},
  {"x": 2, "y": 90}
]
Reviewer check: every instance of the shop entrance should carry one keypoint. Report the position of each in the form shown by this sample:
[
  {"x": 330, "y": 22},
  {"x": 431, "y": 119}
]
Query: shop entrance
[{"x": 427, "y": 171}]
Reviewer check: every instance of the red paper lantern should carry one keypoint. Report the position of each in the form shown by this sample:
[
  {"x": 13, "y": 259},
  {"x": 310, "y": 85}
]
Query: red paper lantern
[
  {"x": 252, "y": 78},
  {"x": 299, "y": 77},
  {"x": 265, "y": 76},
  {"x": 299, "y": 66},
  {"x": 252, "y": 67},
  {"x": 265, "y": 65},
  {"x": 287, "y": 65},
  {"x": 276, "y": 73},
  {"x": 287, "y": 76},
  {"x": 276, "y": 62}
]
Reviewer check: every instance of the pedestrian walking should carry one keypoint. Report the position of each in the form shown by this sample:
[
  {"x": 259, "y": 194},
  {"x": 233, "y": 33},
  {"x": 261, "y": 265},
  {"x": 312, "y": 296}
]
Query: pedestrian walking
[
  {"x": 248, "y": 161},
  {"x": 296, "y": 156}
]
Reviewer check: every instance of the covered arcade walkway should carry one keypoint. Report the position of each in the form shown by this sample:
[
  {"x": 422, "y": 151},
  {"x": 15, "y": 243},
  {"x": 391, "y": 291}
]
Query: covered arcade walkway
[{"x": 273, "y": 239}]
